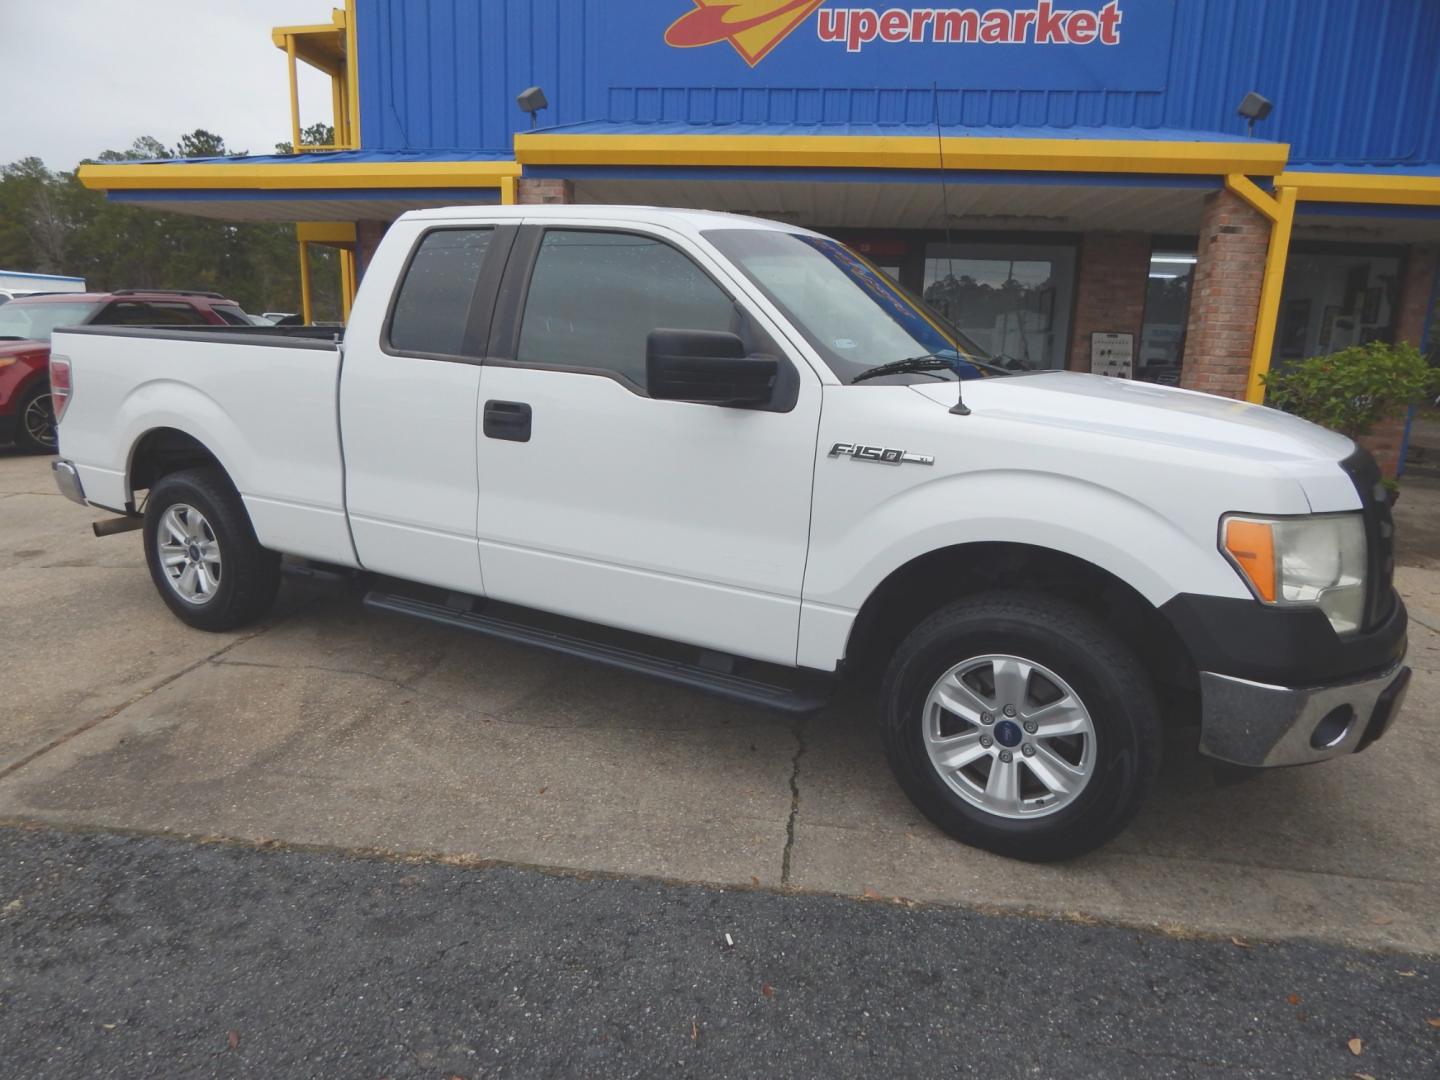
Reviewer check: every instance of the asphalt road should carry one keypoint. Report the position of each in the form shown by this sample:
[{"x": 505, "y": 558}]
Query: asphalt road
[{"x": 139, "y": 956}]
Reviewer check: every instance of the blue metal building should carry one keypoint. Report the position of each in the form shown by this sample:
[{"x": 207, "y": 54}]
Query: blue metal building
[{"x": 1097, "y": 177}]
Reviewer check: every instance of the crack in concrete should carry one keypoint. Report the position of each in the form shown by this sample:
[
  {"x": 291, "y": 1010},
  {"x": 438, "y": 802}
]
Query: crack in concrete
[
  {"x": 109, "y": 714},
  {"x": 800, "y": 725}
]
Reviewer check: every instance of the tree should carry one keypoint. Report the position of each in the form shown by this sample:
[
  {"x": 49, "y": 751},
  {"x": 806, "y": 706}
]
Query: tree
[
  {"x": 320, "y": 134},
  {"x": 51, "y": 223}
]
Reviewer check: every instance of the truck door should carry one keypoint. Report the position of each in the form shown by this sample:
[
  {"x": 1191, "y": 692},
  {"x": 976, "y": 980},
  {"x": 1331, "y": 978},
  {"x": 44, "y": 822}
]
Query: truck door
[
  {"x": 408, "y": 390},
  {"x": 684, "y": 521}
]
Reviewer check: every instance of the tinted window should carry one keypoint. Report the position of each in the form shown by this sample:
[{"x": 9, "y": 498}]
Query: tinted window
[
  {"x": 149, "y": 313},
  {"x": 595, "y": 296},
  {"x": 434, "y": 302},
  {"x": 232, "y": 315}
]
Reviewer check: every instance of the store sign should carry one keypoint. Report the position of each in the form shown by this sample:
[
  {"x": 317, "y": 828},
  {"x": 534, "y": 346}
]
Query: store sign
[{"x": 1039, "y": 44}]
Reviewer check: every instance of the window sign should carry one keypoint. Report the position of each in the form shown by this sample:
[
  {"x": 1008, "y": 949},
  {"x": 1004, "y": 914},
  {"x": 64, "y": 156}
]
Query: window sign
[{"x": 1112, "y": 355}]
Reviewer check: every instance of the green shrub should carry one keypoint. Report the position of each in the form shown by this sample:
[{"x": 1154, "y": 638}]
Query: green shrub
[{"x": 1352, "y": 390}]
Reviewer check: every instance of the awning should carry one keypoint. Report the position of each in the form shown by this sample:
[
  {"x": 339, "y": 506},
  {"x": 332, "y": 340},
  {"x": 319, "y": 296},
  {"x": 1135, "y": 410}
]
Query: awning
[
  {"x": 347, "y": 185},
  {"x": 899, "y": 147}
]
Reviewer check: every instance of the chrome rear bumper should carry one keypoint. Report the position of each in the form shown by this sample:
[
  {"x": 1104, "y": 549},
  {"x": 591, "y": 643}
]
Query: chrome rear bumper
[
  {"x": 68, "y": 481},
  {"x": 1256, "y": 724}
]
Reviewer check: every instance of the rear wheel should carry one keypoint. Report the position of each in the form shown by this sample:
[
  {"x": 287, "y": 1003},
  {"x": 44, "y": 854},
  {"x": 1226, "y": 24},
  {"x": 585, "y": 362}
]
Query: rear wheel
[
  {"x": 1020, "y": 724},
  {"x": 35, "y": 430},
  {"x": 202, "y": 552}
]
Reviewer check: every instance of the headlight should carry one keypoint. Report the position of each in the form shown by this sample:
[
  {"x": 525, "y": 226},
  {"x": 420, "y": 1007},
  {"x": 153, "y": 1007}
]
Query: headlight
[{"x": 1303, "y": 560}]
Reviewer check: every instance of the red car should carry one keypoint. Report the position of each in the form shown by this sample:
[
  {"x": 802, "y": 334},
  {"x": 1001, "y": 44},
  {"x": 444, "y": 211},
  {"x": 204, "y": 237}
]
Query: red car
[{"x": 26, "y": 416}]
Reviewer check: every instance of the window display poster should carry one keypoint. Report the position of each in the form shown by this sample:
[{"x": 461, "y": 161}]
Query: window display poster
[{"x": 1113, "y": 355}]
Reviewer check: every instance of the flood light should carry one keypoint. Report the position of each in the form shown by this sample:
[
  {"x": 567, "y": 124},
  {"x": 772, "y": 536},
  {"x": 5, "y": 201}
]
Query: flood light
[
  {"x": 1254, "y": 107},
  {"x": 532, "y": 101}
]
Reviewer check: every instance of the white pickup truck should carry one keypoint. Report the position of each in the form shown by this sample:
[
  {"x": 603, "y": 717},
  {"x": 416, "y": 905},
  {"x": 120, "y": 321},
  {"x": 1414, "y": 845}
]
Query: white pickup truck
[{"x": 733, "y": 455}]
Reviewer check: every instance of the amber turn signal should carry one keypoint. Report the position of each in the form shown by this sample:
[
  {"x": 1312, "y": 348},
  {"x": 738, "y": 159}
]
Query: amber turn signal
[{"x": 1251, "y": 544}]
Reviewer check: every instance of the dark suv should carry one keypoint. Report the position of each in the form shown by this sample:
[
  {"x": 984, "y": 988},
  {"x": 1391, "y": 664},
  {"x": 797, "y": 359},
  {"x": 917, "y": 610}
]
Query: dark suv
[{"x": 26, "y": 415}]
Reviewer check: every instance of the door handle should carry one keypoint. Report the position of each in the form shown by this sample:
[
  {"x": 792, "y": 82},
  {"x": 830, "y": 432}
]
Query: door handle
[{"x": 509, "y": 420}]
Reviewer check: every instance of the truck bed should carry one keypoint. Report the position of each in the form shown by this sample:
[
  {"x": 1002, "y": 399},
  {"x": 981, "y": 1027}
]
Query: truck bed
[{"x": 262, "y": 398}]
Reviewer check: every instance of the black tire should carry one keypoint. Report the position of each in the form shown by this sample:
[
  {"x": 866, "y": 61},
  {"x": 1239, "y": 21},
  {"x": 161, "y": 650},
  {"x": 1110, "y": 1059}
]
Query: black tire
[
  {"x": 1082, "y": 651},
  {"x": 249, "y": 575},
  {"x": 43, "y": 442}
]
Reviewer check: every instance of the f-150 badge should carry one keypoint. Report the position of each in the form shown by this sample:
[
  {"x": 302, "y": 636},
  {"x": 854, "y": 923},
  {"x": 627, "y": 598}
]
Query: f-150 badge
[{"x": 883, "y": 454}]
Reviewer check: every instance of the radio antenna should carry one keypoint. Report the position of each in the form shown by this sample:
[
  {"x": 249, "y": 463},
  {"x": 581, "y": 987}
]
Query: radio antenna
[{"x": 959, "y": 408}]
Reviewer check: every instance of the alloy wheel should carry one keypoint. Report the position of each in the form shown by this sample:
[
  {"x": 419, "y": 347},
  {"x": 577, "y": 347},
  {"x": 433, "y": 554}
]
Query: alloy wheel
[
  {"x": 189, "y": 553},
  {"x": 1009, "y": 736}
]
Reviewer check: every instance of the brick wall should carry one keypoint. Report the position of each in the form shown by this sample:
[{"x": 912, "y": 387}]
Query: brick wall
[
  {"x": 1415, "y": 290},
  {"x": 1225, "y": 296},
  {"x": 533, "y": 191},
  {"x": 368, "y": 235},
  {"x": 1110, "y": 290}
]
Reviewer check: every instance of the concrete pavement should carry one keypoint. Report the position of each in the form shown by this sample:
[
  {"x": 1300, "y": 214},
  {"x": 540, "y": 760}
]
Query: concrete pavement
[{"x": 334, "y": 726}]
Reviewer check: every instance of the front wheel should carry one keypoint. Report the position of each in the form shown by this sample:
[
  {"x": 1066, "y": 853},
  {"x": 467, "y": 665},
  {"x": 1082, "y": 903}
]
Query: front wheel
[
  {"x": 1021, "y": 724},
  {"x": 202, "y": 552}
]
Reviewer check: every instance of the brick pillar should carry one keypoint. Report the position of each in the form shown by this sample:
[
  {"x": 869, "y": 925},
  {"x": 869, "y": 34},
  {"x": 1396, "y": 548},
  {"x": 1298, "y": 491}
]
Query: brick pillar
[
  {"x": 367, "y": 238},
  {"x": 1110, "y": 290},
  {"x": 534, "y": 190},
  {"x": 1416, "y": 288},
  {"x": 1415, "y": 291},
  {"x": 1225, "y": 296}
]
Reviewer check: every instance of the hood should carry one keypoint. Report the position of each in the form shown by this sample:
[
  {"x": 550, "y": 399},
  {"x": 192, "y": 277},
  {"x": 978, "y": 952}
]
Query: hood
[{"x": 1148, "y": 413}]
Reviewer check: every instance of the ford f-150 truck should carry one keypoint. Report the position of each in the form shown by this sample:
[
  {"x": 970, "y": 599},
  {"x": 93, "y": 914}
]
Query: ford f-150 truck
[{"x": 731, "y": 454}]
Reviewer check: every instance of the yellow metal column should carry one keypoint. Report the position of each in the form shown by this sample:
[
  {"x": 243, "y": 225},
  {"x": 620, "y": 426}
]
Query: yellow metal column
[
  {"x": 1280, "y": 210},
  {"x": 294, "y": 93},
  {"x": 1274, "y": 284},
  {"x": 341, "y": 137},
  {"x": 508, "y": 187},
  {"x": 306, "y": 308}
]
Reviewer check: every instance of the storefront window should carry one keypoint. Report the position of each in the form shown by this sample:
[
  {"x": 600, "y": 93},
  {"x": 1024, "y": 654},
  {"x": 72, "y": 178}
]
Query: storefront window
[
  {"x": 1011, "y": 299},
  {"x": 1335, "y": 299},
  {"x": 1167, "y": 310}
]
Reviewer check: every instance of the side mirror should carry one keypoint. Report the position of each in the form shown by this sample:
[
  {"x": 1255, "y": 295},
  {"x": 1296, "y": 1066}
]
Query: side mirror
[{"x": 708, "y": 367}]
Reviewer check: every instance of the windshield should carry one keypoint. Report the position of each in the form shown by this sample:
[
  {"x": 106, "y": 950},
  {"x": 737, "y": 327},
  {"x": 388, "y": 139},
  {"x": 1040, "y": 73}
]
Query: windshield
[
  {"x": 37, "y": 321},
  {"x": 852, "y": 314}
]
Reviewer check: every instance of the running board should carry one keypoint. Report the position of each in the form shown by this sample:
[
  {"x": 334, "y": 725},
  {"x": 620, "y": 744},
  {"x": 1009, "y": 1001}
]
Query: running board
[{"x": 694, "y": 676}]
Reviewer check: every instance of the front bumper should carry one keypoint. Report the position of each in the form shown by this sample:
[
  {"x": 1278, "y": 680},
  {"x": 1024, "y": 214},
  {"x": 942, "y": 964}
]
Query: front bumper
[
  {"x": 68, "y": 481},
  {"x": 1257, "y": 724}
]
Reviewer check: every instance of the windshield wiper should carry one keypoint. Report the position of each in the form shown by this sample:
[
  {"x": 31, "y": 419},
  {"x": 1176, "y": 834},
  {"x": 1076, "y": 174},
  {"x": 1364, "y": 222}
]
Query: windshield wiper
[
  {"x": 12, "y": 337},
  {"x": 918, "y": 365},
  {"x": 927, "y": 362}
]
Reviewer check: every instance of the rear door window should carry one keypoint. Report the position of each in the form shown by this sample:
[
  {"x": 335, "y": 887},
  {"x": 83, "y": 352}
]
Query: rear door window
[{"x": 432, "y": 309}]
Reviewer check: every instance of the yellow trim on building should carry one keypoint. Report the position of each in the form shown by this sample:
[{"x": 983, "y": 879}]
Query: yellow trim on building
[
  {"x": 330, "y": 49},
  {"x": 288, "y": 175},
  {"x": 905, "y": 152},
  {"x": 325, "y": 232},
  {"x": 1383, "y": 189}
]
